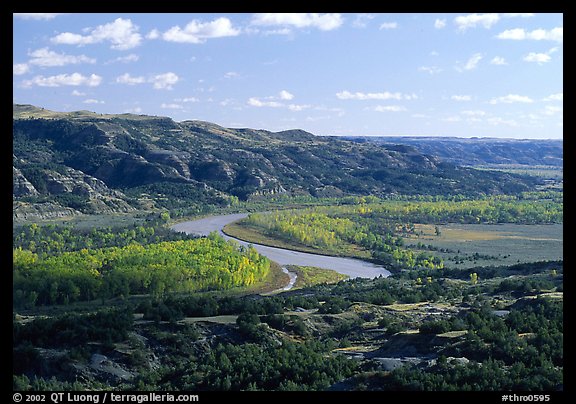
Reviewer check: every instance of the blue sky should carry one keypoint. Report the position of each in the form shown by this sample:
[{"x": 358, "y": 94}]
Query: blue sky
[{"x": 474, "y": 74}]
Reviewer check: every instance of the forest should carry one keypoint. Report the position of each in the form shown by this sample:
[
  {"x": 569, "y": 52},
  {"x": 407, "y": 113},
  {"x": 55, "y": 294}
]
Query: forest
[
  {"x": 153, "y": 268},
  {"x": 173, "y": 312},
  {"x": 373, "y": 228}
]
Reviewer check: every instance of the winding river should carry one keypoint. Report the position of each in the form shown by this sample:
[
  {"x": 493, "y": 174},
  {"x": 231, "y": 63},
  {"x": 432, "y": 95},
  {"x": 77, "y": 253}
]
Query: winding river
[{"x": 354, "y": 268}]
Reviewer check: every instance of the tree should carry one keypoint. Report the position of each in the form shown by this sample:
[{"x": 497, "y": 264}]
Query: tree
[{"x": 474, "y": 278}]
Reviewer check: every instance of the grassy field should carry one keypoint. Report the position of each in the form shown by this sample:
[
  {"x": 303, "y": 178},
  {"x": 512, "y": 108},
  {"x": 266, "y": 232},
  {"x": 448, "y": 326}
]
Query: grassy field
[
  {"x": 253, "y": 235},
  {"x": 309, "y": 276},
  {"x": 506, "y": 244}
]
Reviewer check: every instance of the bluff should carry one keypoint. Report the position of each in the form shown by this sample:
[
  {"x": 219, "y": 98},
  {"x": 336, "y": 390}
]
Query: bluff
[{"x": 83, "y": 162}]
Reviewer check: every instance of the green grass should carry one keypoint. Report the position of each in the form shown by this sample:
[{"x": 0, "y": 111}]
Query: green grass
[
  {"x": 510, "y": 243},
  {"x": 310, "y": 276},
  {"x": 255, "y": 235}
]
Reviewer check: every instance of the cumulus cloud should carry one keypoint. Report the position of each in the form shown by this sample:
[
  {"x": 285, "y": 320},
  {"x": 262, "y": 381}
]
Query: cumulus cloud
[
  {"x": 20, "y": 68},
  {"x": 74, "y": 79},
  {"x": 285, "y": 95},
  {"x": 520, "y": 34},
  {"x": 511, "y": 98},
  {"x": 93, "y": 101},
  {"x": 463, "y": 22},
  {"x": 539, "y": 58},
  {"x": 389, "y": 108},
  {"x": 46, "y": 58},
  {"x": 473, "y": 113},
  {"x": 389, "y": 25},
  {"x": 255, "y": 102},
  {"x": 461, "y": 98},
  {"x": 361, "y": 20},
  {"x": 122, "y": 34},
  {"x": 276, "y": 102},
  {"x": 231, "y": 75},
  {"x": 498, "y": 60},
  {"x": 347, "y": 95},
  {"x": 171, "y": 106},
  {"x": 430, "y": 69},
  {"x": 473, "y": 61},
  {"x": 125, "y": 59},
  {"x": 164, "y": 81},
  {"x": 439, "y": 24},
  {"x": 555, "y": 97},
  {"x": 126, "y": 78},
  {"x": 198, "y": 32},
  {"x": 323, "y": 22}
]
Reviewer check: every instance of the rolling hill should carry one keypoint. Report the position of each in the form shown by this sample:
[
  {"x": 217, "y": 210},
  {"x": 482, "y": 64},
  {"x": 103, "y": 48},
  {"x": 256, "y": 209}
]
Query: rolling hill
[{"x": 67, "y": 163}]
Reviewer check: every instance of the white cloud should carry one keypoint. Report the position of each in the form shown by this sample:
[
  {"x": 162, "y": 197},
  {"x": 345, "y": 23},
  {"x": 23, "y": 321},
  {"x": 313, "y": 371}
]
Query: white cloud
[
  {"x": 519, "y": 34},
  {"x": 77, "y": 93},
  {"x": 476, "y": 112},
  {"x": 298, "y": 107},
  {"x": 272, "y": 102},
  {"x": 122, "y": 34},
  {"x": 498, "y": 60},
  {"x": 47, "y": 58},
  {"x": 511, "y": 98},
  {"x": 187, "y": 99},
  {"x": 463, "y": 22},
  {"x": 454, "y": 118},
  {"x": 324, "y": 22},
  {"x": 389, "y": 25},
  {"x": 171, "y": 106},
  {"x": 285, "y": 95},
  {"x": 92, "y": 101},
  {"x": 552, "y": 110},
  {"x": 154, "y": 34},
  {"x": 439, "y": 24},
  {"x": 347, "y": 95},
  {"x": 461, "y": 98},
  {"x": 36, "y": 16},
  {"x": 74, "y": 79},
  {"x": 361, "y": 20},
  {"x": 473, "y": 61},
  {"x": 126, "y": 78},
  {"x": 20, "y": 68},
  {"x": 539, "y": 58},
  {"x": 430, "y": 69},
  {"x": 500, "y": 121},
  {"x": 522, "y": 15},
  {"x": 198, "y": 32},
  {"x": 255, "y": 102},
  {"x": 555, "y": 97},
  {"x": 164, "y": 81},
  {"x": 231, "y": 75},
  {"x": 389, "y": 108},
  {"x": 125, "y": 59}
]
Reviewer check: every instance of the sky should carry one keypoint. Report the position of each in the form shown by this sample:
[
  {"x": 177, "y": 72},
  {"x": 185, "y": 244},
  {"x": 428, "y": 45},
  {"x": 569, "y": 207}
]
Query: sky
[{"x": 370, "y": 74}]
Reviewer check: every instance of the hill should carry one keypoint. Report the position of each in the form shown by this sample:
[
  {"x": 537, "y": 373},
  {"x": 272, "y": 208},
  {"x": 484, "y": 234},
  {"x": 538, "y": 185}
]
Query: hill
[
  {"x": 480, "y": 151},
  {"x": 83, "y": 162}
]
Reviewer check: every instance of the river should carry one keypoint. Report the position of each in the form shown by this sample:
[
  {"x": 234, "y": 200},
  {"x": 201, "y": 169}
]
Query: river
[{"x": 354, "y": 268}]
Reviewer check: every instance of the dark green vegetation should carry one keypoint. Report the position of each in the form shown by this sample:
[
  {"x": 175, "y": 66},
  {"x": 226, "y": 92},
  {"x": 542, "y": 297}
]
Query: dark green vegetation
[
  {"x": 118, "y": 302},
  {"x": 352, "y": 335},
  {"x": 71, "y": 163},
  {"x": 480, "y": 151},
  {"x": 62, "y": 277}
]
